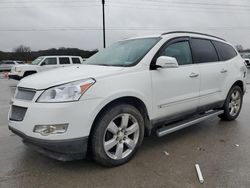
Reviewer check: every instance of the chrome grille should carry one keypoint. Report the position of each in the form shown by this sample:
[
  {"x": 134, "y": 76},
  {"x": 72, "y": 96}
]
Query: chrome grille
[
  {"x": 25, "y": 94},
  {"x": 17, "y": 113}
]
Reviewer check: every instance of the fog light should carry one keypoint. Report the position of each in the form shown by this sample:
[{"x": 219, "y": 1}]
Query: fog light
[{"x": 46, "y": 130}]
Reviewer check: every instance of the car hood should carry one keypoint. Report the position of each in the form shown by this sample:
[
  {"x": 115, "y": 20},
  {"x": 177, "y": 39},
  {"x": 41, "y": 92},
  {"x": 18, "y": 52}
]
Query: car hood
[{"x": 63, "y": 75}]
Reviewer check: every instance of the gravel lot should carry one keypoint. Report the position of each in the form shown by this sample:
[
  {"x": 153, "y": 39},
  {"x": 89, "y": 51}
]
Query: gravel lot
[{"x": 220, "y": 148}]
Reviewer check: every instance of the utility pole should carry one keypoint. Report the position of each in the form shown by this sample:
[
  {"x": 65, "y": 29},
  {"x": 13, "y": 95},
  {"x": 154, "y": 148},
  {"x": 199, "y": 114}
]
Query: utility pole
[{"x": 103, "y": 22}]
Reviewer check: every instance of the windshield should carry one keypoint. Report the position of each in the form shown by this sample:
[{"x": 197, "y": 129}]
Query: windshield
[
  {"x": 123, "y": 53},
  {"x": 37, "y": 61}
]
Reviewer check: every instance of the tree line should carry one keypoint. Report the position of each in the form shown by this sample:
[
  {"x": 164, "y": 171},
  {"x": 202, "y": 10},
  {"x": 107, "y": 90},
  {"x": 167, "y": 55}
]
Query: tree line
[{"x": 24, "y": 53}]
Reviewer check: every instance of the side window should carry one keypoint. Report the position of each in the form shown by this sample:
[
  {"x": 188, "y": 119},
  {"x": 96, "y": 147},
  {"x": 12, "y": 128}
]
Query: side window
[
  {"x": 180, "y": 50},
  {"x": 76, "y": 60},
  {"x": 64, "y": 60},
  {"x": 50, "y": 61},
  {"x": 225, "y": 51},
  {"x": 203, "y": 51}
]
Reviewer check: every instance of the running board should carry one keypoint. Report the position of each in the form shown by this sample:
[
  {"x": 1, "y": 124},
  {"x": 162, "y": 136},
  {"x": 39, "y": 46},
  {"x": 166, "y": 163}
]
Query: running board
[{"x": 186, "y": 123}]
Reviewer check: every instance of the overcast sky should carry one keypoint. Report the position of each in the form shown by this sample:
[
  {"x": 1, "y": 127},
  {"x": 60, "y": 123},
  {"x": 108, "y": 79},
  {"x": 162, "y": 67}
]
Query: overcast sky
[{"x": 43, "y": 24}]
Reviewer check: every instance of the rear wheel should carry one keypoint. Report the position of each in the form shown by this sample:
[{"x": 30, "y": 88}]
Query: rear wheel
[
  {"x": 117, "y": 135},
  {"x": 233, "y": 104}
]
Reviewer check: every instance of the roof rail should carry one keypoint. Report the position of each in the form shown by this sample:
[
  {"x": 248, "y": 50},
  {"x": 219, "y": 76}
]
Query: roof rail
[{"x": 191, "y": 32}]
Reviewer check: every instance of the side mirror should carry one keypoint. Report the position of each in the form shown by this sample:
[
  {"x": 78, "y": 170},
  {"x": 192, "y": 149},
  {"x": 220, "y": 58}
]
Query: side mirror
[{"x": 166, "y": 62}]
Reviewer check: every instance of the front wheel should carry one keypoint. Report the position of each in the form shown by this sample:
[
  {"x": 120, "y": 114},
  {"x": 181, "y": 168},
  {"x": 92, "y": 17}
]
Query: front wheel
[
  {"x": 117, "y": 135},
  {"x": 233, "y": 104}
]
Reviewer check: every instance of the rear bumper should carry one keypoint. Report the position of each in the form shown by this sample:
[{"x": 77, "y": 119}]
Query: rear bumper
[{"x": 63, "y": 150}]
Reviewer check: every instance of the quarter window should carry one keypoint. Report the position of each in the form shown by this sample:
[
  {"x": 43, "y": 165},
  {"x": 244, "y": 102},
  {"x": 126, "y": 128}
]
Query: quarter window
[
  {"x": 76, "y": 60},
  {"x": 50, "y": 61},
  {"x": 203, "y": 51},
  {"x": 179, "y": 50},
  {"x": 64, "y": 60},
  {"x": 224, "y": 50}
]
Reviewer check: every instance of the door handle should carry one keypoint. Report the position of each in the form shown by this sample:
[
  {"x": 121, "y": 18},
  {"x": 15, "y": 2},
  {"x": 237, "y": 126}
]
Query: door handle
[
  {"x": 223, "y": 71},
  {"x": 193, "y": 75}
]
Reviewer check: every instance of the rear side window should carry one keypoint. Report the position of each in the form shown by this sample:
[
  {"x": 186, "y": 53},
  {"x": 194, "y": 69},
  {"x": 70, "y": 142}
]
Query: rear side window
[
  {"x": 224, "y": 50},
  {"x": 64, "y": 60},
  {"x": 180, "y": 50},
  {"x": 76, "y": 60},
  {"x": 203, "y": 51}
]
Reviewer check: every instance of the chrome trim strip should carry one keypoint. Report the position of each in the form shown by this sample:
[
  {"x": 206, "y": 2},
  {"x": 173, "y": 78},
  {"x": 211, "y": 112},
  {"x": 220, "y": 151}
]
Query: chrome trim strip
[{"x": 188, "y": 99}]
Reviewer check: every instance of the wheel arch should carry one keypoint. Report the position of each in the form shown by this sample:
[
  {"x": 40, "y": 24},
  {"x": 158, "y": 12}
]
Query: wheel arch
[
  {"x": 240, "y": 84},
  {"x": 132, "y": 100}
]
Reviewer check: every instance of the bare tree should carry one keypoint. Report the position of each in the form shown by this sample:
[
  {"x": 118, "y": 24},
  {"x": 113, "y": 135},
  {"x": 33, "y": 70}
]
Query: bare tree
[
  {"x": 23, "y": 52},
  {"x": 239, "y": 47},
  {"x": 22, "y": 49}
]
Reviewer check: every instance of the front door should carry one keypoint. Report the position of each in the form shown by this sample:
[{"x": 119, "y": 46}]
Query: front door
[
  {"x": 176, "y": 90},
  {"x": 49, "y": 63}
]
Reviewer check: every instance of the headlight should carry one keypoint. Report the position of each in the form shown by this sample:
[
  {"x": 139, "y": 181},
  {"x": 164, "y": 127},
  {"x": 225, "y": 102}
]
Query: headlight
[
  {"x": 67, "y": 92},
  {"x": 18, "y": 69}
]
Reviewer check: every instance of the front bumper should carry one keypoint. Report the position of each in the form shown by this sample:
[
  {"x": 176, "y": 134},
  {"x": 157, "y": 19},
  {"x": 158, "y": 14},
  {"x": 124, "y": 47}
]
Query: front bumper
[{"x": 63, "y": 150}]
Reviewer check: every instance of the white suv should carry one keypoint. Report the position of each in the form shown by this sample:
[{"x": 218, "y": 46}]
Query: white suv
[
  {"x": 41, "y": 64},
  {"x": 106, "y": 106}
]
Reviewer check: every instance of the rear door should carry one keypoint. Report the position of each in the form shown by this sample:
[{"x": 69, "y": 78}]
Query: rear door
[
  {"x": 176, "y": 90},
  {"x": 64, "y": 61},
  {"x": 213, "y": 72}
]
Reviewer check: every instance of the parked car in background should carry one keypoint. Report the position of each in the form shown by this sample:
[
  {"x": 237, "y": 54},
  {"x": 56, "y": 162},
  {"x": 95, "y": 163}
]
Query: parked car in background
[
  {"x": 246, "y": 57},
  {"x": 6, "y": 65},
  {"x": 41, "y": 64},
  {"x": 160, "y": 83}
]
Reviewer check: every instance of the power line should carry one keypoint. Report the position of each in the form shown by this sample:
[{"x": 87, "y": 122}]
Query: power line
[
  {"x": 19, "y": 29},
  {"x": 56, "y": 1},
  {"x": 58, "y": 6},
  {"x": 176, "y": 9},
  {"x": 172, "y": 4},
  {"x": 199, "y": 3}
]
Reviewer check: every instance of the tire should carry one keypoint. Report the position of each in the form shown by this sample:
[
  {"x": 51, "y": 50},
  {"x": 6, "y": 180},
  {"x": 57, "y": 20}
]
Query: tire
[
  {"x": 233, "y": 104},
  {"x": 114, "y": 143}
]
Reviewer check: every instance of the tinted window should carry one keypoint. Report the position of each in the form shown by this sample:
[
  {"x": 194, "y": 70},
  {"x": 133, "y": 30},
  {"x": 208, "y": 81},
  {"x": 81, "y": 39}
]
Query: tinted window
[
  {"x": 76, "y": 60},
  {"x": 180, "y": 50},
  {"x": 64, "y": 60},
  {"x": 50, "y": 61},
  {"x": 225, "y": 51},
  {"x": 203, "y": 51}
]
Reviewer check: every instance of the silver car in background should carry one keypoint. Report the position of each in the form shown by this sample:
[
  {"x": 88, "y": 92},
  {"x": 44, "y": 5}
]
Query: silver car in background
[{"x": 6, "y": 65}]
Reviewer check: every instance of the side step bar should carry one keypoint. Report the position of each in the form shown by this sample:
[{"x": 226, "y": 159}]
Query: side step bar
[{"x": 186, "y": 123}]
